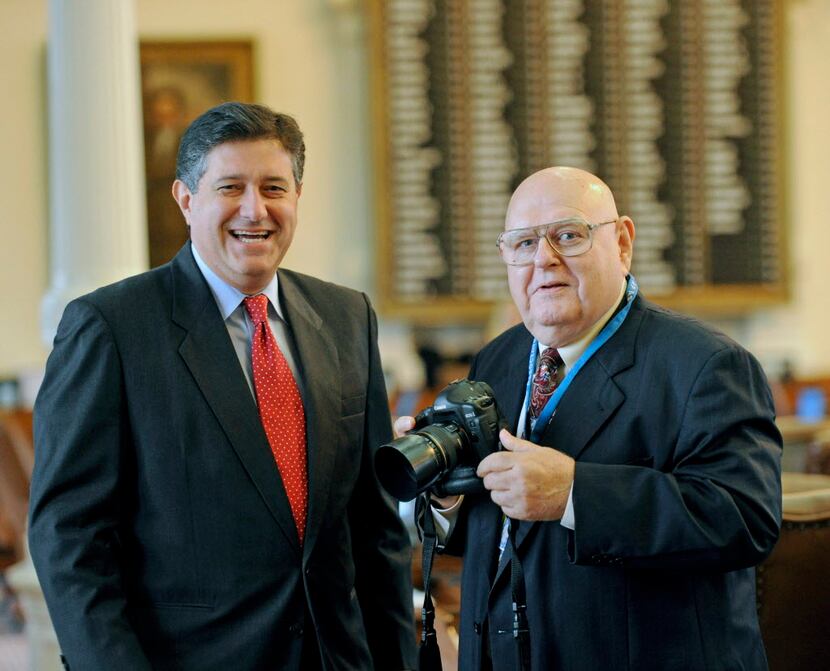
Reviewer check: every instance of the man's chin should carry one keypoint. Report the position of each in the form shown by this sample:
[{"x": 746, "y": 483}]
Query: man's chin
[
  {"x": 549, "y": 315},
  {"x": 552, "y": 329},
  {"x": 252, "y": 278}
]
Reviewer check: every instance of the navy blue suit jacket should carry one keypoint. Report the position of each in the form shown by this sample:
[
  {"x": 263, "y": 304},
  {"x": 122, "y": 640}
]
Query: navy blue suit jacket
[
  {"x": 676, "y": 497},
  {"x": 160, "y": 528}
]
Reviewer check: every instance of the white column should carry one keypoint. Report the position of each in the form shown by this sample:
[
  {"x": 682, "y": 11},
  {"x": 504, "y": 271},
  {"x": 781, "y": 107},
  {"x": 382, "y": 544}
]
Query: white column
[{"x": 96, "y": 163}]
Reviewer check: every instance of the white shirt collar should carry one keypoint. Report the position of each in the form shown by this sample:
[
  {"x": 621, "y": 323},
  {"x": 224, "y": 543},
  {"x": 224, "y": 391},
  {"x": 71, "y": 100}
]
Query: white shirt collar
[{"x": 227, "y": 297}]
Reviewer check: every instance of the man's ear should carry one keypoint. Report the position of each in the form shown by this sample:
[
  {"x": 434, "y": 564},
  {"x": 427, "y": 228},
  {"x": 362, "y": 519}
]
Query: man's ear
[
  {"x": 299, "y": 188},
  {"x": 182, "y": 195},
  {"x": 625, "y": 239}
]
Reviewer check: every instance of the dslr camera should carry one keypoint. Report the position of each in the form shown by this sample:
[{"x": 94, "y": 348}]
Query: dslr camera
[{"x": 444, "y": 448}]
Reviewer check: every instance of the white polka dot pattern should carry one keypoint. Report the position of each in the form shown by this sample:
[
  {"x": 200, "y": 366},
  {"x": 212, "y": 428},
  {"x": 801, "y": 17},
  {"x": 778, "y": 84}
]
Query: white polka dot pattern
[{"x": 280, "y": 409}]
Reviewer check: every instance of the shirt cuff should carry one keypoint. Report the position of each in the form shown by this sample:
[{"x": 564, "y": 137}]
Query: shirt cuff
[
  {"x": 568, "y": 520},
  {"x": 445, "y": 519}
]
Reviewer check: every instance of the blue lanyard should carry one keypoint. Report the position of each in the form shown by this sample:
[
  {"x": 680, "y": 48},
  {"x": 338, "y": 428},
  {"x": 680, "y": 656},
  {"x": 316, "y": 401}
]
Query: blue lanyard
[{"x": 608, "y": 330}]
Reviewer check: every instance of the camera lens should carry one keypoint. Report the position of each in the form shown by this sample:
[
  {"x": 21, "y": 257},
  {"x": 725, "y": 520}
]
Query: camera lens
[{"x": 414, "y": 462}]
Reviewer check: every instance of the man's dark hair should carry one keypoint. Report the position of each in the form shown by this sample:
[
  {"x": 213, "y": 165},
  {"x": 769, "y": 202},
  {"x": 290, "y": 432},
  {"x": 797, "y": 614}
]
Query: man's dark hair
[{"x": 234, "y": 122}]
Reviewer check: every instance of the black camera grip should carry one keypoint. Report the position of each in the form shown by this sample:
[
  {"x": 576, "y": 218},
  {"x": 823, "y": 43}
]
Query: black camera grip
[{"x": 460, "y": 480}]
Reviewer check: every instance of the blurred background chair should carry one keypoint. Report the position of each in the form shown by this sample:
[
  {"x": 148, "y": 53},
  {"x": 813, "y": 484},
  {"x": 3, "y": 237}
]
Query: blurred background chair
[
  {"x": 794, "y": 581},
  {"x": 16, "y": 460},
  {"x": 817, "y": 453}
]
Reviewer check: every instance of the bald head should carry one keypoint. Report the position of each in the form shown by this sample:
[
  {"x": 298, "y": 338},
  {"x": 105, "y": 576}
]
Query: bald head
[
  {"x": 561, "y": 297},
  {"x": 563, "y": 189}
]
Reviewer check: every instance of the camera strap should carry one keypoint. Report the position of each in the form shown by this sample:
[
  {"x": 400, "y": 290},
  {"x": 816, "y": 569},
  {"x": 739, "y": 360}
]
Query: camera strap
[
  {"x": 521, "y": 631},
  {"x": 429, "y": 656}
]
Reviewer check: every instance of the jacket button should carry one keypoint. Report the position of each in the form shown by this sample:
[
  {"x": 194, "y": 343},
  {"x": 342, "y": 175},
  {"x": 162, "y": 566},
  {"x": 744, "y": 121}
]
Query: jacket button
[{"x": 477, "y": 627}]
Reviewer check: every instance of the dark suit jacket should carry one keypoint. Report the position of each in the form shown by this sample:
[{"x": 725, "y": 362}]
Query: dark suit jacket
[
  {"x": 676, "y": 497},
  {"x": 160, "y": 528}
]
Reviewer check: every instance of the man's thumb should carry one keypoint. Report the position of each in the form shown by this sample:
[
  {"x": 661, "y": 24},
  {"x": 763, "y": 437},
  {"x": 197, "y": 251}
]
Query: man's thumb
[{"x": 510, "y": 442}]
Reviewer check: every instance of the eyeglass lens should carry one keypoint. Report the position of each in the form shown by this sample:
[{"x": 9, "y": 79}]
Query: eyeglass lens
[{"x": 568, "y": 238}]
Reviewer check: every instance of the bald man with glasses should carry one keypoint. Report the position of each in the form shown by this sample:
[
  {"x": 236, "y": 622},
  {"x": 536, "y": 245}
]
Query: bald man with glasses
[{"x": 639, "y": 484}]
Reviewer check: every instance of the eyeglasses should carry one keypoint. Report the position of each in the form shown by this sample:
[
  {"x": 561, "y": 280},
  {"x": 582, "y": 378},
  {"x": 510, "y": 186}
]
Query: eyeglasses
[{"x": 568, "y": 237}]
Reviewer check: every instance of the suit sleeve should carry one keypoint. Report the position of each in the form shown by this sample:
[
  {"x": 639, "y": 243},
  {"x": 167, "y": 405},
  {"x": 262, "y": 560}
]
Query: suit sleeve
[
  {"x": 75, "y": 509},
  {"x": 383, "y": 574},
  {"x": 716, "y": 506}
]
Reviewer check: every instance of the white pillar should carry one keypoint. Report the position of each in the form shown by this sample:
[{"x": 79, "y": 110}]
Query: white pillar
[
  {"x": 96, "y": 162},
  {"x": 96, "y": 195}
]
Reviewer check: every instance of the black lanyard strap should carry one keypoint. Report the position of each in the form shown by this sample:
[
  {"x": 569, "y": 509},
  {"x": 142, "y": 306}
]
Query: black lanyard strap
[
  {"x": 521, "y": 632},
  {"x": 429, "y": 656}
]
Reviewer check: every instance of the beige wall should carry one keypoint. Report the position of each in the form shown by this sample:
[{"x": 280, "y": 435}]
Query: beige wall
[
  {"x": 310, "y": 62},
  {"x": 23, "y": 173}
]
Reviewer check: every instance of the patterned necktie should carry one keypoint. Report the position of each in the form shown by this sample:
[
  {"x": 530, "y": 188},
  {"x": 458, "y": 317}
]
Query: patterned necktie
[
  {"x": 280, "y": 409},
  {"x": 545, "y": 381}
]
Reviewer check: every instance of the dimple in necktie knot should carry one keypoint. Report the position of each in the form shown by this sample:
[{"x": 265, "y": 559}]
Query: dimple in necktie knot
[
  {"x": 257, "y": 307},
  {"x": 545, "y": 380}
]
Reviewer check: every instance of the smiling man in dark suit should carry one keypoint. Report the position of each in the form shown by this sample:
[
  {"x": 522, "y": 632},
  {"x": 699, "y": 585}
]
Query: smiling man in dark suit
[
  {"x": 203, "y": 496},
  {"x": 642, "y": 474}
]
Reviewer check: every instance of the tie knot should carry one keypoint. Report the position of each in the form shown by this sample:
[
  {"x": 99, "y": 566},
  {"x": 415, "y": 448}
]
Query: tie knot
[
  {"x": 550, "y": 358},
  {"x": 257, "y": 307}
]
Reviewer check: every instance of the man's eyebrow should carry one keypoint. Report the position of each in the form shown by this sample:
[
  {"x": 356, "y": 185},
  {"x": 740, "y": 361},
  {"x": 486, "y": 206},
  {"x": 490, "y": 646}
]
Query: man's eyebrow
[
  {"x": 236, "y": 176},
  {"x": 224, "y": 178}
]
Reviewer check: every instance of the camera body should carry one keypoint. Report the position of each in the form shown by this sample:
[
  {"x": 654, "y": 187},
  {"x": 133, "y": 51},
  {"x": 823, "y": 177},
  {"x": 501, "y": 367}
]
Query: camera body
[{"x": 444, "y": 448}]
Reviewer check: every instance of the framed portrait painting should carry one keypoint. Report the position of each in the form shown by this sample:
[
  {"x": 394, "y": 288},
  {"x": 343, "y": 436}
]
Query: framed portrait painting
[{"x": 179, "y": 81}]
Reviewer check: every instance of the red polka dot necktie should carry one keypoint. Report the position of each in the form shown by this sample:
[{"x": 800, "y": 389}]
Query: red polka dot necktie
[
  {"x": 545, "y": 381},
  {"x": 280, "y": 409}
]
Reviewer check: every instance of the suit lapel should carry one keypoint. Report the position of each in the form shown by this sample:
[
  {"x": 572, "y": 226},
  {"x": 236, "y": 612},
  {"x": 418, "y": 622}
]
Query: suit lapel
[
  {"x": 593, "y": 395},
  {"x": 208, "y": 352},
  {"x": 320, "y": 386},
  {"x": 591, "y": 399}
]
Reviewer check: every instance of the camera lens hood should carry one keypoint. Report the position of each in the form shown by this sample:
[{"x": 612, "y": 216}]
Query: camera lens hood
[{"x": 414, "y": 462}]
